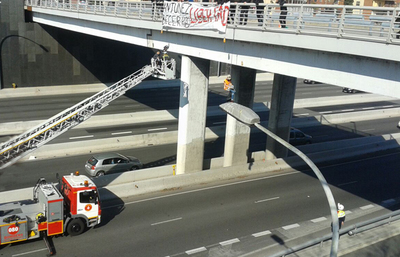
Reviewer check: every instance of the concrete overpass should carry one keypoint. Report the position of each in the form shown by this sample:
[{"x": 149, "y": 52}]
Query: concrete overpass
[{"x": 362, "y": 54}]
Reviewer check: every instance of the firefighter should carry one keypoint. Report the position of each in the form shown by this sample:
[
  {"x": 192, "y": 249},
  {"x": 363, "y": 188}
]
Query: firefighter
[
  {"x": 341, "y": 215},
  {"x": 165, "y": 53},
  {"x": 228, "y": 86},
  {"x": 156, "y": 60}
]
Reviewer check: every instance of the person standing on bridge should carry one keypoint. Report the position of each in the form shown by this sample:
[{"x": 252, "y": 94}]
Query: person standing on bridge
[
  {"x": 228, "y": 86},
  {"x": 259, "y": 11},
  {"x": 282, "y": 16},
  {"x": 341, "y": 216}
]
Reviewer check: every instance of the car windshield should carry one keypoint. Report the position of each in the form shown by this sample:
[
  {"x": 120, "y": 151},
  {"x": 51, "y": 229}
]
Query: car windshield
[{"x": 92, "y": 161}]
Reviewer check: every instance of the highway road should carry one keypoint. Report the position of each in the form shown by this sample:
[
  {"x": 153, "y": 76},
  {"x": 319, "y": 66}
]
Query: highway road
[
  {"x": 23, "y": 175},
  {"x": 229, "y": 217},
  {"x": 138, "y": 100}
]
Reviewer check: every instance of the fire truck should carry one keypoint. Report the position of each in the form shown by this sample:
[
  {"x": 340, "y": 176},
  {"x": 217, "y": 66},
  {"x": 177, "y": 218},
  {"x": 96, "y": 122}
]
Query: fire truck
[{"x": 70, "y": 206}]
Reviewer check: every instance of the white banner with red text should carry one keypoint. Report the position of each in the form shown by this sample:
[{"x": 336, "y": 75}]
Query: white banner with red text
[{"x": 191, "y": 15}]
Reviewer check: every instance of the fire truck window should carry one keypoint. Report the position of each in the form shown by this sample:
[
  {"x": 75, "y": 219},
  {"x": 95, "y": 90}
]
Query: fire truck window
[{"x": 88, "y": 197}]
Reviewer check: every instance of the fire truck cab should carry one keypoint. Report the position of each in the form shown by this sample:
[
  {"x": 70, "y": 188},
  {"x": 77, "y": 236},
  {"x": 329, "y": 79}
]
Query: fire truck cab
[{"x": 51, "y": 211}]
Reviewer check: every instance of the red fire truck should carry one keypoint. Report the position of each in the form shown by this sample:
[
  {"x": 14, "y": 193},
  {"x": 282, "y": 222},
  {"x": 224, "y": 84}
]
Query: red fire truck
[{"x": 71, "y": 206}]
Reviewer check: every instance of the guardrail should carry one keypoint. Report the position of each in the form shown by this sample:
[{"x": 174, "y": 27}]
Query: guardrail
[
  {"x": 352, "y": 230},
  {"x": 378, "y": 24}
]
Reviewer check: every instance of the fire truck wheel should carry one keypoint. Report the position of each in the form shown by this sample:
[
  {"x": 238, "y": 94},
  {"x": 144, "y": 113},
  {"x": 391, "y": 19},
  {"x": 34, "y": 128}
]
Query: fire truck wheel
[{"x": 75, "y": 227}]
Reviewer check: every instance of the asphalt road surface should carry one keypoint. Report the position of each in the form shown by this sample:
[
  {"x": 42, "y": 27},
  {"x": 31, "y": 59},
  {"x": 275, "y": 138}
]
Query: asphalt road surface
[{"x": 226, "y": 214}]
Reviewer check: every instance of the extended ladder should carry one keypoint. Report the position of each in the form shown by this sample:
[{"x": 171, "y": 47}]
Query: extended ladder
[{"x": 32, "y": 139}]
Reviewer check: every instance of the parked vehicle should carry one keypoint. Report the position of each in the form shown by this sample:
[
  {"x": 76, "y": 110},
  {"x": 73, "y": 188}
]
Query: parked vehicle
[
  {"x": 107, "y": 163},
  {"x": 349, "y": 90},
  {"x": 309, "y": 81},
  {"x": 297, "y": 137}
]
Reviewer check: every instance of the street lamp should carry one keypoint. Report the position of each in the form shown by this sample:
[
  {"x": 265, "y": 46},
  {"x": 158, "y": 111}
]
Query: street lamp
[
  {"x": 249, "y": 117},
  {"x": 1, "y": 60}
]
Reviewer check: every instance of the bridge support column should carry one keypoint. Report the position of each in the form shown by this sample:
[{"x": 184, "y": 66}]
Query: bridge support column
[
  {"x": 237, "y": 135},
  {"x": 192, "y": 114},
  {"x": 280, "y": 114}
]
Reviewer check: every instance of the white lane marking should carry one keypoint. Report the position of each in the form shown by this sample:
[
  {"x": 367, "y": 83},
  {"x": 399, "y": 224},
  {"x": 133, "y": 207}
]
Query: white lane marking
[
  {"x": 348, "y": 110},
  {"x": 388, "y": 202},
  {"x": 229, "y": 242},
  {"x": 166, "y": 221},
  {"x": 269, "y": 199},
  {"x": 368, "y": 108},
  {"x": 326, "y": 112},
  {"x": 318, "y": 219},
  {"x": 220, "y": 122},
  {"x": 81, "y": 137},
  {"x": 263, "y": 233},
  {"x": 387, "y": 106},
  {"x": 291, "y": 226},
  {"x": 349, "y": 212},
  {"x": 306, "y": 93},
  {"x": 347, "y": 183},
  {"x": 120, "y": 133},
  {"x": 369, "y": 206},
  {"x": 20, "y": 254},
  {"x": 303, "y": 114},
  {"x": 368, "y": 130},
  {"x": 156, "y": 129},
  {"x": 197, "y": 250}
]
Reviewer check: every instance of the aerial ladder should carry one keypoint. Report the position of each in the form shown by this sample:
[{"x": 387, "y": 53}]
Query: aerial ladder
[{"x": 29, "y": 141}]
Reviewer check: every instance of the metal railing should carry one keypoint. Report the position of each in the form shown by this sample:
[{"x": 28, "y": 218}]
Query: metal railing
[
  {"x": 351, "y": 230},
  {"x": 378, "y": 24}
]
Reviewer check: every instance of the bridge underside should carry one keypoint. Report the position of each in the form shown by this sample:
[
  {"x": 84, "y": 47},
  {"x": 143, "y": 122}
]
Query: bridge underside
[{"x": 342, "y": 62}]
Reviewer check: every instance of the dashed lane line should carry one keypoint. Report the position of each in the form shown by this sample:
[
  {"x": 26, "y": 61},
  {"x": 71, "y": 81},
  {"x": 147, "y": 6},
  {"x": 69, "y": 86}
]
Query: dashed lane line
[
  {"x": 197, "y": 250},
  {"x": 265, "y": 200},
  {"x": 81, "y": 137},
  {"x": 263, "y": 233},
  {"x": 291, "y": 226},
  {"x": 166, "y": 221},
  {"x": 318, "y": 219},
  {"x": 229, "y": 242}
]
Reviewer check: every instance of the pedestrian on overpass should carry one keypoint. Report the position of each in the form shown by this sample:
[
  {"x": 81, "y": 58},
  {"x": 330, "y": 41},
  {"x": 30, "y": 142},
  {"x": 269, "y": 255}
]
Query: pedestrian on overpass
[
  {"x": 259, "y": 11},
  {"x": 282, "y": 16}
]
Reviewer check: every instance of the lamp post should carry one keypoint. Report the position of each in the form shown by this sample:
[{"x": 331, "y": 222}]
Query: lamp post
[
  {"x": 249, "y": 117},
  {"x": 1, "y": 60}
]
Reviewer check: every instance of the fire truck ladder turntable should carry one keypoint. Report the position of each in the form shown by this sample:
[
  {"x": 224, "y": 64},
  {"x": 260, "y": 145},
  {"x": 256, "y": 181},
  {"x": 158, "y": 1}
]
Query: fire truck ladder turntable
[{"x": 21, "y": 145}]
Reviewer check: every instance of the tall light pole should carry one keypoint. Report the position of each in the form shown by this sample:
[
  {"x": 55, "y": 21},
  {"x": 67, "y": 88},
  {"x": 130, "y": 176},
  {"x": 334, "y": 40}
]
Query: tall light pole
[
  {"x": 1, "y": 60},
  {"x": 249, "y": 117}
]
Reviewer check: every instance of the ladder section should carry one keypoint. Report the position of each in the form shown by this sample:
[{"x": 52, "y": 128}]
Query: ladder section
[{"x": 32, "y": 139}]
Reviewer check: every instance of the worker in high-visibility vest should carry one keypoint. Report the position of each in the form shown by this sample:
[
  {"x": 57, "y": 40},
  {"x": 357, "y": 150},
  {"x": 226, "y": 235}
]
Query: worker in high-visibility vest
[
  {"x": 341, "y": 215},
  {"x": 228, "y": 86}
]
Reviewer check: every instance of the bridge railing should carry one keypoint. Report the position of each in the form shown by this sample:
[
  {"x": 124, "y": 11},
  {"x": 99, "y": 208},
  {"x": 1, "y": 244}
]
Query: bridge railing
[{"x": 380, "y": 24}]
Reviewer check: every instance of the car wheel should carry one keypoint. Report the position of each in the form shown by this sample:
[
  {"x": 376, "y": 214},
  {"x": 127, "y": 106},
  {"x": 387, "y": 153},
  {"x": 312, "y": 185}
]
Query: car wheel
[
  {"x": 75, "y": 227},
  {"x": 100, "y": 173},
  {"x": 134, "y": 168}
]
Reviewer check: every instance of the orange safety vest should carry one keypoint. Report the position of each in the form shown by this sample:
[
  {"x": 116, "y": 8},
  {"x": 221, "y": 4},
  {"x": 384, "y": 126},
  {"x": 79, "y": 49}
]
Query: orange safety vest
[{"x": 227, "y": 84}]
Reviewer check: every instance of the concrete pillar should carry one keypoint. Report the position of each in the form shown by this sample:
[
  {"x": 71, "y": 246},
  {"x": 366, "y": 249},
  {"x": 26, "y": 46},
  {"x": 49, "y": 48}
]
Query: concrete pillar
[
  {"x": 280, "y": 114},
  {"x": 237, "y": 135},
  {"x": 192, "y": 114}
]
